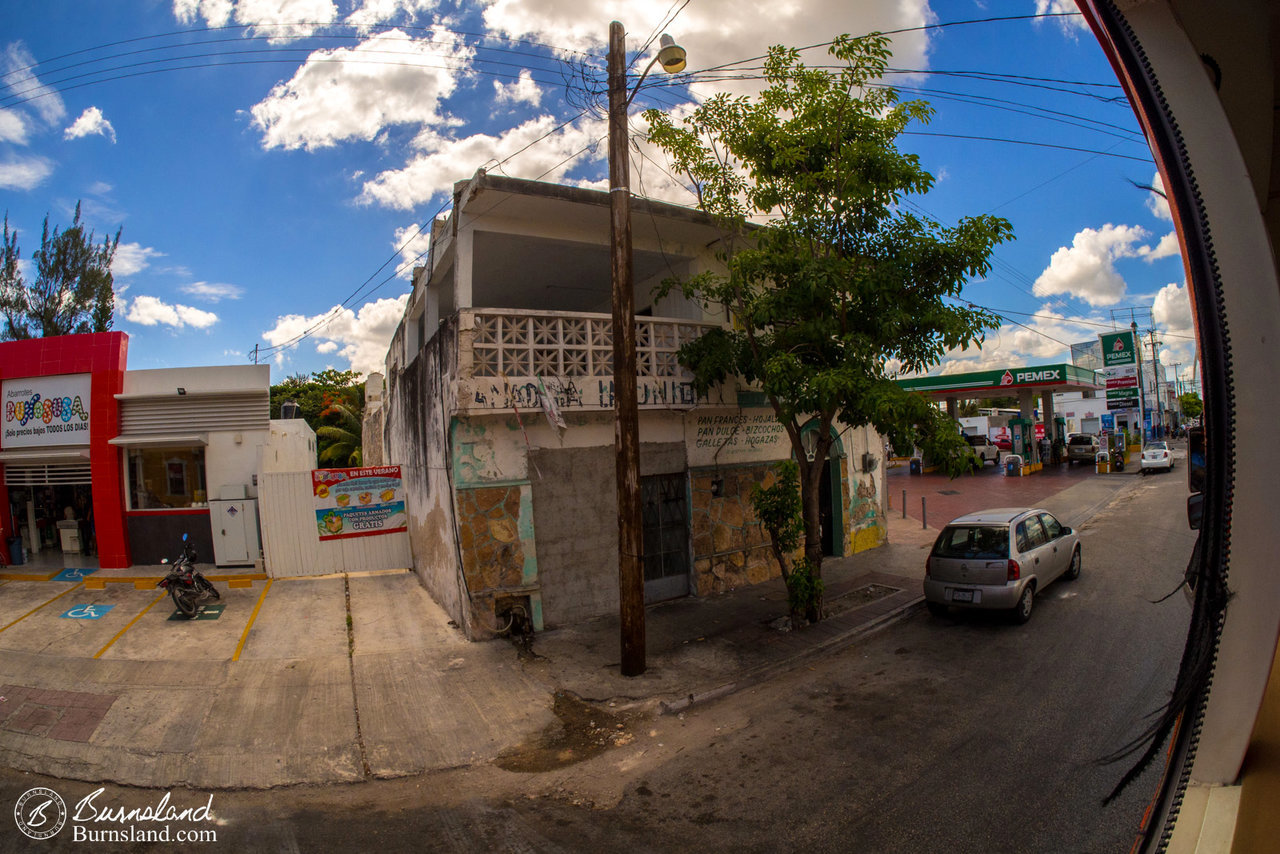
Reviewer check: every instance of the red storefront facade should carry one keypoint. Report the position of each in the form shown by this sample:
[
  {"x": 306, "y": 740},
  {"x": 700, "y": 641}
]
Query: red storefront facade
[{"x": 100, "y": 357}]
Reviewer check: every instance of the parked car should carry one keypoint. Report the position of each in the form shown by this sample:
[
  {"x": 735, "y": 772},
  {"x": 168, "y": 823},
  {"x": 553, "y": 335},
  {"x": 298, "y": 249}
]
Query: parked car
[
  {"x": 984, "y": 450},
  {"x": 999, "y": 560},
  {"x": 1083, "y": 448},
  {"x": 1156, "y": 456},
  {"x": 1003, "y": 442}
]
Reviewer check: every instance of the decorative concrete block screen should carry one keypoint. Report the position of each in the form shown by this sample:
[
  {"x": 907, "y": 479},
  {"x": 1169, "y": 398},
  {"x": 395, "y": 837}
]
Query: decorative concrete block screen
[{"x": 561, "y": 344}]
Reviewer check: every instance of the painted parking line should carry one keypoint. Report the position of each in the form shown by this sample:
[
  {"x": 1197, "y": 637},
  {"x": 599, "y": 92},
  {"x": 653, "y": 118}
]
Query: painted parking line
[
  {"x": 129, "y": 625},
  {"x": 252, "y": 616},
  {"x": 38, "y": 607}
]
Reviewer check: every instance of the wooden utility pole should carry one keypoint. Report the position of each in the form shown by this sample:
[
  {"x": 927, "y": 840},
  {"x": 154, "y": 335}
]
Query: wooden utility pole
[{"x": 626, "y": 417}]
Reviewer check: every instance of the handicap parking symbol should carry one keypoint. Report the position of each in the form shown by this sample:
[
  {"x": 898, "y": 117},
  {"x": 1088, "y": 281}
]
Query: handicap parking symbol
[
  {"x": 87, "y": 612},
  {"x": 70, "y": 574}
]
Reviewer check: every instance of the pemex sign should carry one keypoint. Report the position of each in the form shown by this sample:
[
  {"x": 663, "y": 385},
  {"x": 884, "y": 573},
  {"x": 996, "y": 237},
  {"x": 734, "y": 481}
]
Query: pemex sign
[{"x": 1120, "y": 367}]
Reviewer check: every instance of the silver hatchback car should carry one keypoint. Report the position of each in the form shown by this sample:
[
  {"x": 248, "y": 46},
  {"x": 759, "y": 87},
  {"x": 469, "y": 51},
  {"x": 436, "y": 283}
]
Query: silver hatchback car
[{"x": 999, "y": 560}]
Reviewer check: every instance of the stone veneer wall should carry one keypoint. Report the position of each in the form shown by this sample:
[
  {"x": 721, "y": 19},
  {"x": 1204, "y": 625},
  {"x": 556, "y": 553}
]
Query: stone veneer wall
[{"x": 730, "y": 547}]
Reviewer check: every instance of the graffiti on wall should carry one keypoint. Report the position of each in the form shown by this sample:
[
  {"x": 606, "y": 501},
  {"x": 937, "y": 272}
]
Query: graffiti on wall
[{"x": 574, "y": 393}]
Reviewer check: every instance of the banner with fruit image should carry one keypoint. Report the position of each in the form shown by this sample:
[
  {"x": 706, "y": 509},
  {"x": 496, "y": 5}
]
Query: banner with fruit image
[{"x": 358, "y": 502}]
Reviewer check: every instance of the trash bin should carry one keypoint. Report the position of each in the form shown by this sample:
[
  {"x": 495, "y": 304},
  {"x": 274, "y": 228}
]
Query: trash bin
[
  {"x": 1103, "y": 463},
  {"x": 15, "y": 551},
  {"x": 916, "y": 467},
  {"x": 1012, "y": 465}
]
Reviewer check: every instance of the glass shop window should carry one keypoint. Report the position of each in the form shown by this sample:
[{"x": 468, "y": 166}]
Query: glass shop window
[{"x": 162, "y": 478}]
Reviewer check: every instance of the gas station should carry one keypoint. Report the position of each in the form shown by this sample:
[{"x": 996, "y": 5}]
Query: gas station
[{"x": 1025, "y": 383}]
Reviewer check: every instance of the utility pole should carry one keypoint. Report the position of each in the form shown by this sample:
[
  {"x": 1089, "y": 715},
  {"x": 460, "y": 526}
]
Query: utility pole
[
  {"x": 626, "y": 430},
  {"x": 1142, "y": 394},
  {"x": 626, "y": 425},
  {"x": 1155, "y": 373}
]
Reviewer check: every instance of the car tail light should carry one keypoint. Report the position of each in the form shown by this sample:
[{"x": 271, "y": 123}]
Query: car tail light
[{"x": 1015, "y": 571}]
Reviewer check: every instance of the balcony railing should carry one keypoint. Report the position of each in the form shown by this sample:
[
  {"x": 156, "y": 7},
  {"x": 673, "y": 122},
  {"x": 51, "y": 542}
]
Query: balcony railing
[{"x": 571, "y": 355}]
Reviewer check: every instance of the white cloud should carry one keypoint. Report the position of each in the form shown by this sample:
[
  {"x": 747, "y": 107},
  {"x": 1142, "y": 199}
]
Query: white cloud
[
  {"x": 1172, "y": 310},
  {"x": 448, "y": 160},
  {"x": 215, "y": 13},
  {"x": 1086, "y": 269},
  {"x": 413, "y": 245},
  {"x": 353, "y": 93},
  {"x": 280, "y": 20},
  {"x": 90, "y": 123},
  {"x": 523, "y": 90},
  {"x": 133, "y": 258},
  {"x": 24, "y": 84},
  {"x": 1043, "y": 337},
  {"x": 1167, "y": 247},
  {"x": 150, "y": 311},
  {"x": 373, "y": 13},
  {"x": 1073, "y": 25},
  {"x": 24, "y": 173},
  {"x": 212, "y": 291},
  {"x": 12, "y": 127},
  {"x": 1158, "y": 203},
  {"x": 361, "y": 338}
]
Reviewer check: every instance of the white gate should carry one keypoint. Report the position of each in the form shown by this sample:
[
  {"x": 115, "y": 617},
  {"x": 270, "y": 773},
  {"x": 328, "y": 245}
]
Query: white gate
[{"x": 291, "y": 546}]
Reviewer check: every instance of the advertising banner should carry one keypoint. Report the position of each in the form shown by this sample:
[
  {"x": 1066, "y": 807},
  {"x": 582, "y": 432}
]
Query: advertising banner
[
  {"x": 358, "y": 502},
  {"x": 40, "y": 412}
]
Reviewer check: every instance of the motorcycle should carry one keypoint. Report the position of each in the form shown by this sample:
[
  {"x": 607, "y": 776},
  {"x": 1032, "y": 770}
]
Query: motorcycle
[{"x": 187, "y": 587}]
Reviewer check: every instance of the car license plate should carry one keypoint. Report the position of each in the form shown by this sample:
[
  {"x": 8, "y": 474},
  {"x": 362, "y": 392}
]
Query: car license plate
[{"x": 961, "y": 595}]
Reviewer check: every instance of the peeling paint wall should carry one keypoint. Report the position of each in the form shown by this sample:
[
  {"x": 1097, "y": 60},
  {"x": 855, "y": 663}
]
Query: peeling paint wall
[
  {"x": 417, "y": 417},
  {"x": 865, "y": 524}
]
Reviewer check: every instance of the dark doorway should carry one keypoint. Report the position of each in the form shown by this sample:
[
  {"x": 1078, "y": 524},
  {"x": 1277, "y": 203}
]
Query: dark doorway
[{"x": 666, "y": 536}]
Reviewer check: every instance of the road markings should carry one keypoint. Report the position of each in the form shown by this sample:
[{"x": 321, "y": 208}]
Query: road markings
[
  {"x": 252, "y": 616},
  {"x": 128, "y": 626},
  {"x": 38, "y": 607},
  {"x": 87, "y": 612}
]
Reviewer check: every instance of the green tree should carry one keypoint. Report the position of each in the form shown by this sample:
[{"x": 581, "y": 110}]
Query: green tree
[
  {"x": 1191, "y": 404},
  {"x": 344, "y": 436},
  {"x": 325, "y": 399},
  {"x": 842, "y": 288},
  {"x": 72, "y": 291}
]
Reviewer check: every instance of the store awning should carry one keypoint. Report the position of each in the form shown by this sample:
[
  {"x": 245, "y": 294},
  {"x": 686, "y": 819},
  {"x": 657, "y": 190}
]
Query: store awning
[
  {"x": 151, "y": 440},
  {"x": 44, "y": 456}
]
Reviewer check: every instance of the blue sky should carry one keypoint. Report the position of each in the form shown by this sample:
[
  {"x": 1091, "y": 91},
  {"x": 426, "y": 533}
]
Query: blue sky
[{"x": 270, "y": 161}]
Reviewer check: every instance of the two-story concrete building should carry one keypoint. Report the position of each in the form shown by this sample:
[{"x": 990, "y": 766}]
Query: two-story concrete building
[{"x": 498, "y": 403}]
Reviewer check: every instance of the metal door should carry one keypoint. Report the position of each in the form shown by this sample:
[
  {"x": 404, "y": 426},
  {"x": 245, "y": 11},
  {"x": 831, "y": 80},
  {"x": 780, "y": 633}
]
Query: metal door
[{"x": 666, "y": 536}]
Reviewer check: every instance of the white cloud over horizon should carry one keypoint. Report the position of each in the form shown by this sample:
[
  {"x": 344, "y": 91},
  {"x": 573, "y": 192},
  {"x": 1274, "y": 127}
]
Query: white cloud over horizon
[
  {"x": 152, "y": 311},
  {"x": 132, "y": 258},
  {"x": 360, "y": 337},
  {"x": 90, "y": 123},
  {"x": 443, "y": 161},
  {"x": 355, "y": 93},
  {"x": 212, "y": 291},
  {"x": 24, "y": 173},
  {"x": 1086, "y": 269}
]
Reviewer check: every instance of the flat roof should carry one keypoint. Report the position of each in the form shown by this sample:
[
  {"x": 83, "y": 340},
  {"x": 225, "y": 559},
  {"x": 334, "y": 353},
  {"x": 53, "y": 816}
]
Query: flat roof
[{"x": 999, "y": 382}]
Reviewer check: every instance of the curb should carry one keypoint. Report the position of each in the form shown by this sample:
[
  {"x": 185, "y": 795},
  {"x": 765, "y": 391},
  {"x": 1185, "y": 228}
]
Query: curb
[{"x": 756, "y": 675}]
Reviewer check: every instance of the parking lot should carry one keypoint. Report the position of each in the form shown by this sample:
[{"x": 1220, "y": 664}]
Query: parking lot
[{"x": 137, "y": 621}]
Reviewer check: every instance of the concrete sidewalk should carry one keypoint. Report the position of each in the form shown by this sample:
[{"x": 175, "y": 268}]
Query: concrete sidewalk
[{"x": 342, "y": 679}]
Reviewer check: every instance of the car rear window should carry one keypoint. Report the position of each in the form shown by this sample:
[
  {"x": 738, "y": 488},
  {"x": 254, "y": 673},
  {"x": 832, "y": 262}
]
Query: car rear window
[
  {"x": 976, "y": 542},
  {"x": 1081, "y": 440}
]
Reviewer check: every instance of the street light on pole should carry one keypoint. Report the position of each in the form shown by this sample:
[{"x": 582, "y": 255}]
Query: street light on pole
[{"x": 626, "y": 431}]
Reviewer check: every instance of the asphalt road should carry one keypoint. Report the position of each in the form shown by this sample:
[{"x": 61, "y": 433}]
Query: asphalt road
[{"x": 938, "y": 734}]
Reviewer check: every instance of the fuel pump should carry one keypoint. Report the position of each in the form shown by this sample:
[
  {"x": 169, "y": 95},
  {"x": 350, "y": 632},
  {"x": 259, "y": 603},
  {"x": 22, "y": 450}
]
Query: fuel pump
[
  {"x": 1022, "y": 433},
  {"x": 1059, "y": 439}
]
